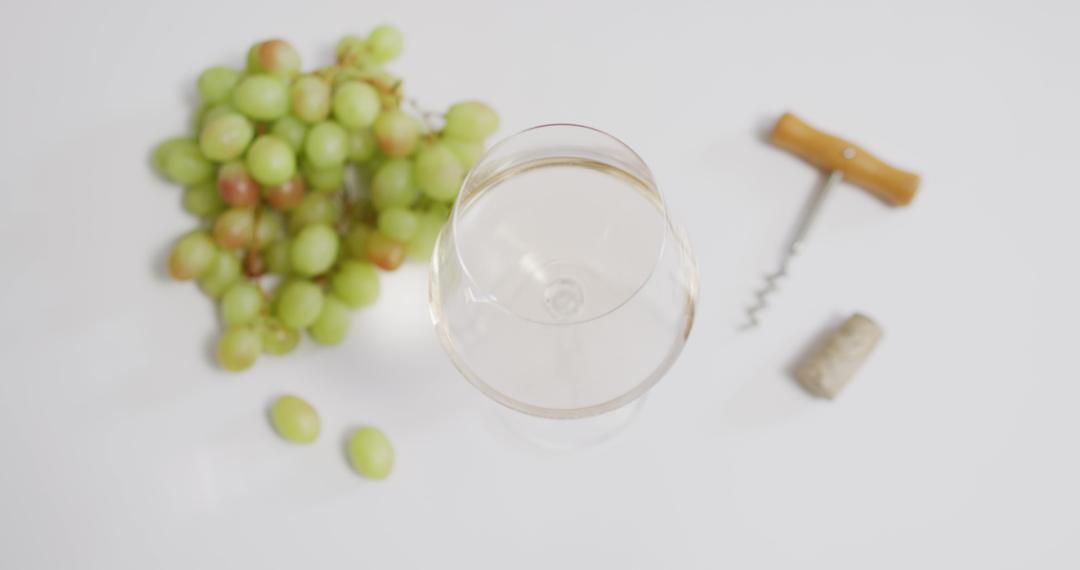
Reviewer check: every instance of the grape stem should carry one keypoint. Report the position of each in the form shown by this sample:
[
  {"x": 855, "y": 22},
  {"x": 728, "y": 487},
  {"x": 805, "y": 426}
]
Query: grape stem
[{"x": 430, "y": 118}]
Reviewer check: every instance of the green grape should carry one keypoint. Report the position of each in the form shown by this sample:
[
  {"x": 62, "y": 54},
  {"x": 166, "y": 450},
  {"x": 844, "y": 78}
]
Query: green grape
[
  {"x": 268, "y": 228},
  {"x": 355, "y": 241},
  {"x": 236, "y": 186},
  {"x": 287, "y": 195},
  {"x": 423, "y": 241},
  {"x": 393, "y": 185},
  {"x": 261, "y": 97},
  {"x": 164, "y": 148},
  {"x": 327, "y": 179},
  {"x": 356, "y": 283},
  {"x": 399, "y": 224},
  {"x": 396, "y": 133},
  {"x": 238, "y": 348},
  {"x": 209, "y": 113},
  {"x": 384, "y": 252},
  {"x": 216, "y": 84},
  {"x": 291, "y": 130},
  {"x": 314, "y": 249},
  {"x": 278, "y": 338},
  {"x": 183, "y": 163},
  {"x": 370, "y": 453},
  {"x": 361, "y": 147},
  {"x": 294, "y": 419},
  {"x": 311, "y": 99},
  {"x": 351, "y": 49},
  {"x": 384, "y": 43},
  {"x": 467, "y": 152},
  {"x": 241, "y": 303},
  {"x": 299, "y": 303},
  {"x": 356, "y": 104},
  {"x": 270, "y": 160},
  {"x": 277, "y": 257},
  {"x": 470, "y": 121},
  {"x": 226, "y": 136},
  {"x": 192, "y": 256},
  {"x": 332, "y": 325},
  {"x": 316, "y": 208},
  {"x": 223, "y": 272},
  {"x": 276, "y": 57},
  {"x": 203, "y": 200},
  {"x": 326, "y": 145},
  {"x": 438, "y": 172},
  {"x": 234, "y": 228}
]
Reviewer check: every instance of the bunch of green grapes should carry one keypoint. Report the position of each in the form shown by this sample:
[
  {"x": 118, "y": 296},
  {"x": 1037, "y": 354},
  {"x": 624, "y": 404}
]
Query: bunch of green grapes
[{"x": 305, "y": 183}]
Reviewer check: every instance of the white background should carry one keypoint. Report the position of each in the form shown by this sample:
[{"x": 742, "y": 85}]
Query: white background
[{"x": 956, "y": 447}]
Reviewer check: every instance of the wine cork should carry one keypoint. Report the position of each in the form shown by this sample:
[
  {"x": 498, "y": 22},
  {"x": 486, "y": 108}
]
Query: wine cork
[{"x": 834, "y": 364}]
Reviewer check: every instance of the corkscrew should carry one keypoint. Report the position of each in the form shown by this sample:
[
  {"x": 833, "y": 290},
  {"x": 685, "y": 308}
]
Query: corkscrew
[{"x": 843, "y": 161}]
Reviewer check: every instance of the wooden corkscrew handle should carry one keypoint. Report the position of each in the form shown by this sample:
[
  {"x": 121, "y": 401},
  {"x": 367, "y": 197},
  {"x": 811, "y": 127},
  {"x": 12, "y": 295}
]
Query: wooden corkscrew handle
[{"x": 891, "y": 184}]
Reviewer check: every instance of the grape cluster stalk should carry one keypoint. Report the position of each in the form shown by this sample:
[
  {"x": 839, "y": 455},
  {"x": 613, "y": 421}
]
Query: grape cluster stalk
[{"x": 306, "y": 184}]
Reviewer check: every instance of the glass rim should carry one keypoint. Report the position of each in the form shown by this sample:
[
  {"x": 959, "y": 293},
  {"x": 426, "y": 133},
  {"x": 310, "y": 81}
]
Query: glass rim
[{"x": 661, "y": 204}]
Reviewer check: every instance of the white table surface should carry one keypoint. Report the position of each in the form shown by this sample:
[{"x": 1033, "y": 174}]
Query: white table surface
[{"x": 956, "y": 447}]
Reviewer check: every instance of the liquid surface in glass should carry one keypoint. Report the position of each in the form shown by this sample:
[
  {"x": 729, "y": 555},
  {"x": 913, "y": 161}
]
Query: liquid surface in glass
[{"x": 568, "y": 303}]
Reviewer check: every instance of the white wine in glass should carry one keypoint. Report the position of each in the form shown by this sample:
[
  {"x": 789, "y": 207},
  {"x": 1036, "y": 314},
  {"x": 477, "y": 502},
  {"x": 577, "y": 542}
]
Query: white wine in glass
[{"x": 560, "y": 287}]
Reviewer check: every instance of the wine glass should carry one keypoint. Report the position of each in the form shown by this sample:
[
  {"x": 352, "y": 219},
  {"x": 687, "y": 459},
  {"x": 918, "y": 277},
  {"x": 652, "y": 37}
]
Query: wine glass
[{"x": 560, "y": 288}]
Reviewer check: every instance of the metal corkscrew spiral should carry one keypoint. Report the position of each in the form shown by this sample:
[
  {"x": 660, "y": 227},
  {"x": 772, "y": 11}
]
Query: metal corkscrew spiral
[{"x": 772, "y": 280}]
